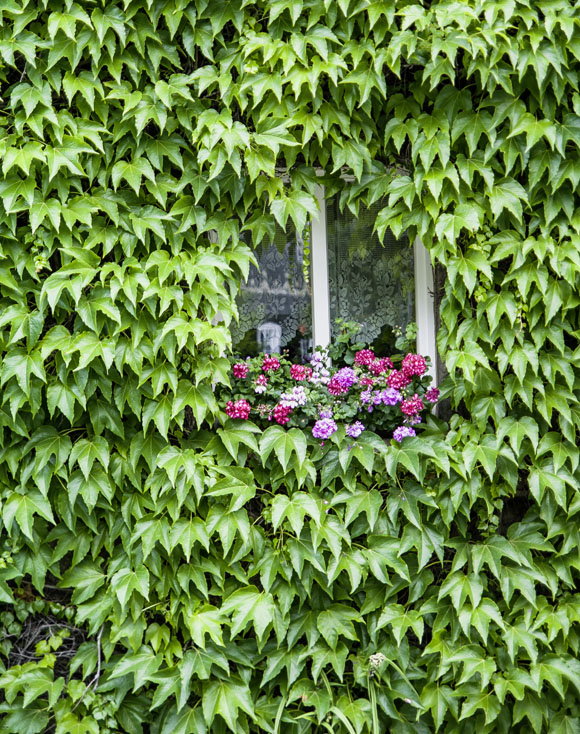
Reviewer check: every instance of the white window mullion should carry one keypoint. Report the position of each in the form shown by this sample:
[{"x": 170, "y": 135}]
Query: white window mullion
[
  {"x": 320, "y": 283},
  {"x": 425, "y": 306}
]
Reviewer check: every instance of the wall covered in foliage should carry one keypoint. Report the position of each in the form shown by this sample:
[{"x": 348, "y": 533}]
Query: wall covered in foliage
[{"x": 162, "y": 577}]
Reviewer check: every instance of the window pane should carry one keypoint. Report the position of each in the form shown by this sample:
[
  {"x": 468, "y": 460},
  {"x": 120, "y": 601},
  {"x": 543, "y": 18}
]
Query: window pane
[
  {"x": 275, "y": 304},
  {"x": 371, "y": 282}
]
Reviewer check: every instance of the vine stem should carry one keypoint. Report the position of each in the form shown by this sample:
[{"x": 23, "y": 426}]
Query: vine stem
[
  {"x": 373, "y": 698},
  {"x": 94, "y": 682}
]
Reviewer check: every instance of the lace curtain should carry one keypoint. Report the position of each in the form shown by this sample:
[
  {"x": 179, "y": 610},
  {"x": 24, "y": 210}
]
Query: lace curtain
[
  {"x": 372, "y": 283},
  {"x": 275, "y": 303}
]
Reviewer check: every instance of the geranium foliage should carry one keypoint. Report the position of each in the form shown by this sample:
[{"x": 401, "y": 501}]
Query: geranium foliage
[{"x": 167, "y": 571}]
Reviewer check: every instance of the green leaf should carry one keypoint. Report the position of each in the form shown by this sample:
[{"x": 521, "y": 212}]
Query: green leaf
[
  {"x": 23, "y": 508},
  {"x": 284, "y": 443},
  {"x": 297, "y": 206},
  {"x": 246, "y": 606},
  {"x": 226, "y": 698},
  {"x": 132, "y": 173},
  {"x": 441, "y": 700},
  {"x": 507, "y": 194},
  {"x": 70, "y": 724},
  {"x": 126, "y": 581},
  {"x": 187, "y": 721},
  {"x": 337, "y": 621},
  {"x": 400, "y": 620},
  {"x": 487, "y": 702},
  {"x": 205, "y": 620}
]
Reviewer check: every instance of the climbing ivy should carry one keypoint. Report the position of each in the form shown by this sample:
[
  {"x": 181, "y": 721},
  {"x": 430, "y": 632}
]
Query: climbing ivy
[{"x": 166, "y": 571}]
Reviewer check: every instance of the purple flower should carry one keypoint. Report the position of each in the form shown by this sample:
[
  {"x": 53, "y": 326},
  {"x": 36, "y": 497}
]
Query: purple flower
[
  {"x": 402, "y": 432},
  {"x": 326, "y": 413},
  {"x": 390, "y": 396},
  {"x": 296, "y": 397},
  {"x": 346, "y": 377},
  {"x": 319, "y": 371},
  {"x": 355, "y": 430},
  {"x": 324, "y": 428},
  {"x": 413, "y": 420},
  {"x": 366, "y": 396},
  {"x": 320, "y": 375}
]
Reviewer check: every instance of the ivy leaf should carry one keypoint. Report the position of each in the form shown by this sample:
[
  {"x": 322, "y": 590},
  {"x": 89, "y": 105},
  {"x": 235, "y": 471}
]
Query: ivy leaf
[
  {"x": 187, "y": 721},
  {"x": 400, "y": 620},
  {"x": 337, "y": 621},
  {"x": 42, "y": 209},
  {"x": 226, "y": 698},
  {"x": 125, "y": 581},
  {"x": 485, "y": 701},
  {"x": 249, "y": 605},
  {"x": 507, "y": 194},
  {"x": 297, "y": 206},
  {"x": 552, "y": 668},
  {"x": 205, "y": 620},
  {"x": 132, "y": 173},
  {"x": 440, "y": 699},
  {"x": 70, "y": 724},
  {"x": 284, "y": 443},
  {"x": 22, "y": 508}
]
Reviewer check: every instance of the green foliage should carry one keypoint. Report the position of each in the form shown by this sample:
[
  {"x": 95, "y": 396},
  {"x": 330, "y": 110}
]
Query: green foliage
[{"x": 162, "y": 571}]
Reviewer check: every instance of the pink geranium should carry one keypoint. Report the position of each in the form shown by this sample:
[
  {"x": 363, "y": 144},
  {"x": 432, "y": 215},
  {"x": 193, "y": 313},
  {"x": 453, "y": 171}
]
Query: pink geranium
[
  {"x": 238, "y": 409},
  {"x": 412, "y": 406},
  {"x": 414, "y": 364},
  {"x": 398, "y": 379},
  {"x": 281, "y": 414},
  {"x": 240, "y": 370},
  {"x": 364, "y": 357},
  {"x": 270, "y": 364}
]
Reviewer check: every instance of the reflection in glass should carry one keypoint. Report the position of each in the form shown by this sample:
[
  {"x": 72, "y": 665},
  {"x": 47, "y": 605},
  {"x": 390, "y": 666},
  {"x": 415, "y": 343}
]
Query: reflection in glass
[
  {"x": 275, "y": 303},
  {"x": 371, "y": 282}
]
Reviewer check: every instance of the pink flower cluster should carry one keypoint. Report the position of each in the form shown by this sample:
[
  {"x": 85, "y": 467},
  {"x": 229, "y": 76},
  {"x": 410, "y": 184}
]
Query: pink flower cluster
[
  {"x": 270, "y": 364},
  {"x": 365, "y": 357},
  {"x": 398, "y": 379},
  {"x": 432, "y": 394},
  {"x": 336, "y": 387},
  {"x": 412, "y": 406},
  {"x": 238, "y": 409},
  {"x": 240, "y": 370},
  {"x": 300, "y": 372},
  {"x": 378, "y": 366},
  {"x": 281, "y": 414},
  {"x": 414, "y": 364}
]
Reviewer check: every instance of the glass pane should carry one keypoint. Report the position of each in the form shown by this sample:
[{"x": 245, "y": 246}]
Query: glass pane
[
  {"x": 275, "y": 304},
  {"x": 371, "y": 282}
]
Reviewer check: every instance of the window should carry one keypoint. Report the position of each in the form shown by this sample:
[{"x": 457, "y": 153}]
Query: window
[{"x": 337, "y": 269}]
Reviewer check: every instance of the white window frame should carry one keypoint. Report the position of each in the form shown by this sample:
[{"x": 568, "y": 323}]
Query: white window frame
[{"x": 424, "y": 292}]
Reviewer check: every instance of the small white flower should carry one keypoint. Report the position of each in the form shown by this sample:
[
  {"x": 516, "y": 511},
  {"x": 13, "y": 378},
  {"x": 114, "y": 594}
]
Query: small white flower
[{"x": 377, "y": 659}]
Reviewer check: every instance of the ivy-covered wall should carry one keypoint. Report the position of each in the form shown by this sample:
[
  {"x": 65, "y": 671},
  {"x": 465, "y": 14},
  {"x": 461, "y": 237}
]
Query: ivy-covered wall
[{"x": 162, "y": 577}]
